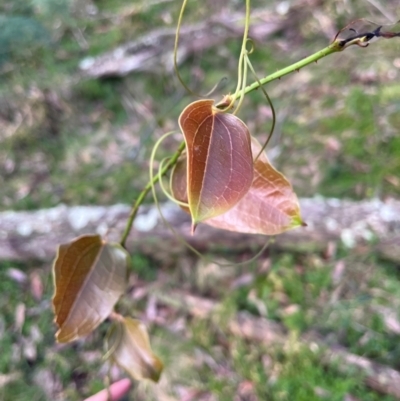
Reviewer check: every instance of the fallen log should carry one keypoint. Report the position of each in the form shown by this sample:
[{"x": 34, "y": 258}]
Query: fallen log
[
  {"x": 36, "y": 235},
  {"x": 153, "y": 52}
]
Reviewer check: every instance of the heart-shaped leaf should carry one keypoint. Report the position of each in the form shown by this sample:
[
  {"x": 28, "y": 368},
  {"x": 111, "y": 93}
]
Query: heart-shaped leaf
[
  {"x": 270, "y": 207},
  {"x": 220, "y": 165},
  {"x": 131, "y": 350},
  {"x": 89, "y": 277}
]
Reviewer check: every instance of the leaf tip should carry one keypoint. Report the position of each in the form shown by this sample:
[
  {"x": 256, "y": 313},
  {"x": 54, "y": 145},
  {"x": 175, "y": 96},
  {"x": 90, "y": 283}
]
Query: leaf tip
[
  {"x": 297, "y": 221},
  {"x": 194, "y": 226},
  {"x": 157, "y": 370},
  {"x": 61, "y": 338}
]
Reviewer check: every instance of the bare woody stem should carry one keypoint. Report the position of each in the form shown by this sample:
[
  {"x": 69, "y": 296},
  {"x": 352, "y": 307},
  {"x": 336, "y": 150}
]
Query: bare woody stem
[{"x": 332, "y": 48}]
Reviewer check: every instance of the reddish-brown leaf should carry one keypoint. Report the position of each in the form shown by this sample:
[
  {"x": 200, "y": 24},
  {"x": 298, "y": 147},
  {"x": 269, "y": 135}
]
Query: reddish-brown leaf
[
  {"x": 220, "y": 165},
  {"x": 270, "y": 207},
  {"x": 89, "y": 277}
]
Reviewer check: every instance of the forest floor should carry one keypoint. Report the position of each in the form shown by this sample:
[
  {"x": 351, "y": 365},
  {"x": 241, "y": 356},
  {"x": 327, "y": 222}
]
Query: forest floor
[{"x": 66, "y": 138}]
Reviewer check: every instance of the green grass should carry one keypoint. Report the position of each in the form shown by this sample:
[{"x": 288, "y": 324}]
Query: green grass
[{"x": 203, "y": 355}]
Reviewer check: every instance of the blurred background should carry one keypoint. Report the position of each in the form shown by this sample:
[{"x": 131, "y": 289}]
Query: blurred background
[{"x": 87, "y": 87}]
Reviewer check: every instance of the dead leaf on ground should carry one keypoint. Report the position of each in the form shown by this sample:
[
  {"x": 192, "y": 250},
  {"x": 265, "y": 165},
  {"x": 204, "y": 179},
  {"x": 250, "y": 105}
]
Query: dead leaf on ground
[{"x": 36, "y": 285}]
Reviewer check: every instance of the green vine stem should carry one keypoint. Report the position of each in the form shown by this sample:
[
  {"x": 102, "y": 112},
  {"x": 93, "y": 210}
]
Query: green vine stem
[
  {"x": 336, "y": 46},
  {"x": 135, "y": 207},
  {"x": 332, "y": 48}
]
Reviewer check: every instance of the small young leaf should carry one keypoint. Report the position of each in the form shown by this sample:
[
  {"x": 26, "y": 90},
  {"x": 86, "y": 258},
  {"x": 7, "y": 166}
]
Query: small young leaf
[
  {"x": 132, "y": 351},
  {"x": 220, "y": 165},
  {"x": 89, "y": 278},
  {"x": 362, "y": 31},
  {"x": 270, "y": 207}
]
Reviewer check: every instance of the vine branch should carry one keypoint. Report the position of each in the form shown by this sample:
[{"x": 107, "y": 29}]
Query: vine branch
[
  {"x": 146, "y": 190},
  {"x": 334, "y": 47}
]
